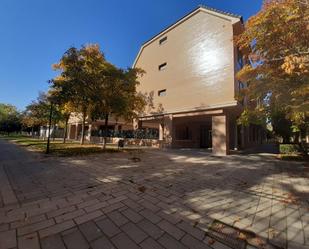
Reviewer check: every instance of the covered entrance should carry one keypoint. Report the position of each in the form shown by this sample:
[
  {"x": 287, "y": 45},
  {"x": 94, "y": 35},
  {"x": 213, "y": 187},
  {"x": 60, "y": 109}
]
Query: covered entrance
[
  {"x": 210, "y": 129},
  {"x": 213, "y": 129},
  {"x": 205, "y": 136}
]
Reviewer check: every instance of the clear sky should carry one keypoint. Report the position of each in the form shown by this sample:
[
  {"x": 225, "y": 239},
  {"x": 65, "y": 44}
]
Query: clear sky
[{"x": 35, "y": 33}]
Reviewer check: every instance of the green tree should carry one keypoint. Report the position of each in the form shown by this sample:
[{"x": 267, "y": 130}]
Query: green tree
[
  {"x": 117, "y": 95},
  {"x": 10, "y": 118},
  {"x": 37, "y": 113},
  {"x": 281, "y": 125}
]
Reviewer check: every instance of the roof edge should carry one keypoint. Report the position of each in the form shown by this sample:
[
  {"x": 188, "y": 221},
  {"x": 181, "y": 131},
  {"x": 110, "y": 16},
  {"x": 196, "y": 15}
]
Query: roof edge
[
  {"x": 221, "y": 11},
  {"x": 191, "y": 12},
  {"x": 200, "y": 7}
]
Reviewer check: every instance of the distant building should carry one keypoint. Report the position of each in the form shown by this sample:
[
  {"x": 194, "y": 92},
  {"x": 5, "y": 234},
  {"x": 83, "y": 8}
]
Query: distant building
[{"x": 94, "y": 129}]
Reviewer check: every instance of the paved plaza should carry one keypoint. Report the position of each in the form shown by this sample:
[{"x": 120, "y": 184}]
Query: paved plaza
[{"x": 152, "y": 199}]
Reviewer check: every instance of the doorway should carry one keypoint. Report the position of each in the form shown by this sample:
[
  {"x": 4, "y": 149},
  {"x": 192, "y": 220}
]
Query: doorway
[{"x": 205, "y": 137}]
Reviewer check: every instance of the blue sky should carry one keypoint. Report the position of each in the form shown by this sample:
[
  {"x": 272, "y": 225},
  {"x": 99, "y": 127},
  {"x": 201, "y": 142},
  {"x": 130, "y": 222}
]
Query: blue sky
[{"x": 35, "y": 33}]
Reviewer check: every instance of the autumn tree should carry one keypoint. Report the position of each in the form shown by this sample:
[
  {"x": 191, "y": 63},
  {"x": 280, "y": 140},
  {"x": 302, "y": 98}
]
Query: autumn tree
[
  {"x": 65, "y": 107},
  {"x": 66, "y": 110},
  {"x": 276, "y": 45},
  {"x": 96, "y": 88},
  {"x": 80, "y": 71}
]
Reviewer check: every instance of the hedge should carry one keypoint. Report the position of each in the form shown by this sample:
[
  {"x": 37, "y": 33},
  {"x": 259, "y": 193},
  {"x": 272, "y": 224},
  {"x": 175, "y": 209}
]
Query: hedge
[{"x": 289, "y": 148}]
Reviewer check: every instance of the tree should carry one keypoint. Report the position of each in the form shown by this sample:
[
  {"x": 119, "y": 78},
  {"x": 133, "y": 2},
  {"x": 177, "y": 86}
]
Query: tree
[
  {"x": 276, "y": 45},
  {"x": 281, "y": 125},
  {"x": 66, "y": 110},
  {"x": 95, "y": 87},
  {"x": 80, "y": 73},
  {"x": 64, "y": 106},
  {"x": 133, "y": 102},
  {"x": 37, "y": 113},
  {"x": 117, "y": 95},
  {"x": 9, "y": 118}
]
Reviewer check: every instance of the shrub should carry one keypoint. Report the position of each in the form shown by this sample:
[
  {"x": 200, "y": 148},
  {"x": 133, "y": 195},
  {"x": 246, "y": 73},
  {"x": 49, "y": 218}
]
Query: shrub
[{"x": 289, "y": 148}]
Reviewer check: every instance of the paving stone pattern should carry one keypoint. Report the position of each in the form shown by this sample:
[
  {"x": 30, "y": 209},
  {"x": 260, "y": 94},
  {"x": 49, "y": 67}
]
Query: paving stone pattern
[{"x": 167, "y": 200}]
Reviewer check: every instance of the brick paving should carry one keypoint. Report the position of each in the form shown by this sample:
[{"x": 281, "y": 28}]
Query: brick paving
[{"x": 169, "y": 199}]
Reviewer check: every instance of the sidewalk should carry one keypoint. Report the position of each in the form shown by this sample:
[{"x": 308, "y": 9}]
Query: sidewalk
[{"x": 167, "y": 200}]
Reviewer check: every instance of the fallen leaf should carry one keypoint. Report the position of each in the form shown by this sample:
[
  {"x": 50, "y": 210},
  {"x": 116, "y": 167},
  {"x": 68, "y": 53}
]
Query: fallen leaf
[
  {"x": 242, "y": 236},
  {"x": 211, "y": 241},
  {"x": 142, "y": 189}
]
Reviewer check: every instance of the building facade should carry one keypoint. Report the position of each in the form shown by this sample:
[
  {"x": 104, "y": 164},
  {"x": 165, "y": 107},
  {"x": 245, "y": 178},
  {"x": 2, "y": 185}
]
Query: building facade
[
  {"x": 190, "y": 78},
  {"x": 94, "y": 129}
]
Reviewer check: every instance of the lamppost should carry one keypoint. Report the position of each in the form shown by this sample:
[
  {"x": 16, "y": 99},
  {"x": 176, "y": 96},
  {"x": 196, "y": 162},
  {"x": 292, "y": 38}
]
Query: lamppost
[{"x": 49, "y": 125}]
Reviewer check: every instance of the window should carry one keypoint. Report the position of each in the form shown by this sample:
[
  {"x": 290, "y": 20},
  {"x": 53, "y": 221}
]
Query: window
[
  {"x": 163, "y": 40},
  {"x": 162, "y": 93},
  {"x": 162, "y": 66}
]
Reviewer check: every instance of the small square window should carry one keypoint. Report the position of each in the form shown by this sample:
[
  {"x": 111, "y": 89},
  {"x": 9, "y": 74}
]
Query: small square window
[
  {"x": 163, "y": 40},
  {"x": 162, "y": 93},
  {"x": 162, "y": 66}
]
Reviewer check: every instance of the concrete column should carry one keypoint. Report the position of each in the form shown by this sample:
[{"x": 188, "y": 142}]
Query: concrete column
[
  {"x": 168, "y": 130},
  {"x": 243, "y": 134},
  {"x": 76, "y": 131},
  {"x": 235, "y": 137},
  {"x": 161, "y": 131},
  {"x": 68, "y": 132},
  {"x": 135, "y": 124},
  {"x": 220, "y": 135},
  {"x": 89, "y": 132}
]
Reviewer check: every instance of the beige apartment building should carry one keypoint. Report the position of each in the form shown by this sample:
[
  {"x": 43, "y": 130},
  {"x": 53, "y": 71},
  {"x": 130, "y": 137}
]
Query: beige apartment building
[{"x": 190, "y": 74}]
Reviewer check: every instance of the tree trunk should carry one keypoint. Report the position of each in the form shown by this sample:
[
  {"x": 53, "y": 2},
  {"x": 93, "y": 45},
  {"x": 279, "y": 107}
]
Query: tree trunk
[
  {"x": 82, "y": 139},
  {"x": 54, "y": 130},
  {"x": 89, "y": 132},
  {"x": 105, "y": 131},
  {"x": 65, "y": 130},
  {"x": 32, "y": 133},
  {"x": 285, "y": 139}
]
